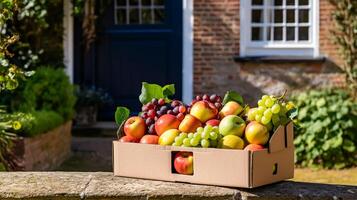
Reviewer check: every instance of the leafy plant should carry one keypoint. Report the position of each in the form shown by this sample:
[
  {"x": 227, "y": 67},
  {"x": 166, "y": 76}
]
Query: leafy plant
[
  {"x": 39, "y": 23},
  {"x": 345, "y": 35},
  {"x": 49, "y": 89},
  {"x": 92, "y": 96},
  {"x": 37, "y": 122},
  {"x": 326, "y": 135},
  {"x": 9, "y": 76}
]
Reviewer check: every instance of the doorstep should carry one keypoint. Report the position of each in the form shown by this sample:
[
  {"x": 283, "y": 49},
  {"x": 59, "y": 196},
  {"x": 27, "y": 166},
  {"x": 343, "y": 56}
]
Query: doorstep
[{"x": 99, "y": 129}]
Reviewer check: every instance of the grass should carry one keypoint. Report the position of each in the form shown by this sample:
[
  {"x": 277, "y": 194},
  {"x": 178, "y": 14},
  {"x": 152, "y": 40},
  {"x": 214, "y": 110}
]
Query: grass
[{"x": 341, "y": 177}]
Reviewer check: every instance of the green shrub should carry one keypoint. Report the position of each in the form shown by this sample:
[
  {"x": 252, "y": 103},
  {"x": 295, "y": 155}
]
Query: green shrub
[
  {"x": 327, "y": 132},
  {"x": 37, "y": 122},
  {"x": 49, "y": 89}
]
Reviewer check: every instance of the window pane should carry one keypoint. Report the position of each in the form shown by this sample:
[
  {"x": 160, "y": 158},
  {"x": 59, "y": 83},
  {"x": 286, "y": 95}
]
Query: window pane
[
  {"x": 121, "y": 2},
  {"x": 303, "y": 2},
  {"x": 290, "y": 2},
  {"x": 278, "y": 16},
  {"x": 303, "y": 33},
  {"x": 290, "y": 15},
  {"x": 303, "y": 16},
  {"x": 134, "y": 2},
  {"x": 159, "y": 2},
  {"x": 257, "y": 33},
  {"x": 121, "y": 16},
  {"x": 146, "y": 2},
  {"x": 134, "y": 16},
  {"x": 278, "y": 2},
  {"x": 290, "y": 33},
  {"x": 159, "y": 16},
  {"x": 146, "y": 16},
  {"x": 278, "y": 33},
  {"x": 257, "y": 16},
  {"x": 257, "y": 2}
]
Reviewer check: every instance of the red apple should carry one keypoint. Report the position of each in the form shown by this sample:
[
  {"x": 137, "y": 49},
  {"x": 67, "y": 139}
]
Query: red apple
[
  {"x": 166, "y": 122},
  {"x": 149, "y": 139},
  {"x": 213, "y": 122},
  {"x": 189, "y": 124},
  {"x": 183, "y": 163},
  {"x": 135, "y": 127},
  {"x": 253, "y": 147},
  {"x": 204, "y": 111},
  {"x": 128, "y": 138}
]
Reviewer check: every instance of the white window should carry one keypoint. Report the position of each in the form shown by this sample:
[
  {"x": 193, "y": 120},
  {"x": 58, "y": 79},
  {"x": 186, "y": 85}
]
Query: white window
[
  {"x": 279, "y": 27},
  {"x": 139, "y": 12}
]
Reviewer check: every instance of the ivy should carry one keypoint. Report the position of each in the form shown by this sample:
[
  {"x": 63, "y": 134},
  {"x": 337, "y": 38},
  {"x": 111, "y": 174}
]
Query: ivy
[
  {"x": 345, "y": 36},
  {"x": 326, "y": 133}
]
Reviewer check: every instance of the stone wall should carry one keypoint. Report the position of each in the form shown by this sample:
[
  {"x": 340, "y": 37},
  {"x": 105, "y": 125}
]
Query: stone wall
[
  {"x": 85, "y": 185},
  {"x": 216, "y": 43},
  {"x": 46, "y": 151}
]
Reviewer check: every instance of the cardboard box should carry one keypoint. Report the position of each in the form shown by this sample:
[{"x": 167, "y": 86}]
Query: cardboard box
[{"x": 222, "y": 167}]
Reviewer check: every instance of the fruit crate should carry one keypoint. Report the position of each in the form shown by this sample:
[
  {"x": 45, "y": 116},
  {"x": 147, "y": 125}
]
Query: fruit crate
[{"x": 211, "y": 166}]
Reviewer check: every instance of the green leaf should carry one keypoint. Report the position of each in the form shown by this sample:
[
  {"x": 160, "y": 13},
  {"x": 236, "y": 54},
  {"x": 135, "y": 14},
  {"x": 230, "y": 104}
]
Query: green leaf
[
  {"x": 292, "y": 113},
  {"x": 121, "y": 114},
  {"x": 150, "y": 91},
  {"x": 321, "y": 102},
  {"x": 232, "y": 96},
  {"x": 336, "y": 141},
  {"x": 348, "y": 146},
  {"x": 168, "y": 90}
]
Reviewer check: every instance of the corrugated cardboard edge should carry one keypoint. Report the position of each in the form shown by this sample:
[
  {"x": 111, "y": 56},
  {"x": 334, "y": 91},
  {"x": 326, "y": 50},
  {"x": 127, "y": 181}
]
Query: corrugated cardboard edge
[
  {"x": 277, "y": 141},
  {"x": 287, "y": 152}
]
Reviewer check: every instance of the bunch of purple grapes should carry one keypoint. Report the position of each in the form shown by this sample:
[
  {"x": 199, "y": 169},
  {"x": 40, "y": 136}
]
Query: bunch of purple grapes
[
  {"x": 214, "y": 99},
  {"x": 153, "y": 110}
]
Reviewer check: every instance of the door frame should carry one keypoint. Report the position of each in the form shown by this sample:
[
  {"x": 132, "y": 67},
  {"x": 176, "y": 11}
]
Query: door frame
[{"x": 187, "y": 46}]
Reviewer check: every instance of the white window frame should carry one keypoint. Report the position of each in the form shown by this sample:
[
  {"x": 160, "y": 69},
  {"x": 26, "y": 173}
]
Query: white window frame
[
  {"x": 308, "y": 48},
  {"x": 140, "y": 7}
]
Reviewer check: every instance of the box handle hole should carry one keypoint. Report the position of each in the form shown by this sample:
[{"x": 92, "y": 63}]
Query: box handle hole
[
  {"x": 183, "y": 164},
  {"x": 275, "y": 169}
]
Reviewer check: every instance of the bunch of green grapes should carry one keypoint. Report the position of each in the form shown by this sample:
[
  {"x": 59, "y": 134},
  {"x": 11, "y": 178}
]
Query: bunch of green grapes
[
  {"x": 271, "y": 111},
  {"x": 203, "y": 137}
]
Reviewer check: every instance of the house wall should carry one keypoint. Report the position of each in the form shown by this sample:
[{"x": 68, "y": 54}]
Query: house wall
[{"x": 216, "y": 42}]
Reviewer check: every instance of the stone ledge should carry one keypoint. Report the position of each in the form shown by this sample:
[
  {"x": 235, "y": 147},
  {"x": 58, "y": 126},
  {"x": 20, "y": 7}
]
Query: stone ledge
[{"x": 103, "y": 185}]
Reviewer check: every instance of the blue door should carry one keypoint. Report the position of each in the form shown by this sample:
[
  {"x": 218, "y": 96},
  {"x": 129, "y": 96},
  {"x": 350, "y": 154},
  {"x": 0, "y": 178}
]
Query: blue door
[{"x": 138, "y": 40}]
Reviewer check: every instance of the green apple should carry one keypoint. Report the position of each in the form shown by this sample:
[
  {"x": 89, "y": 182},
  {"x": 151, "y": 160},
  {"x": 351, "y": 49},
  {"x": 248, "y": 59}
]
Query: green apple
[
  {"x": 232, "y": 125},
  {"x": 231, "y": 142},
  {"x": 168, "y": 137}
]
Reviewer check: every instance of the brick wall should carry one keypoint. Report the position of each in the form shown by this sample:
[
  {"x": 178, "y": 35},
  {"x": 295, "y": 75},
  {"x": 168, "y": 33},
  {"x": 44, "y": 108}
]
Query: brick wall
[
  {"x": 46, "y": 151},
  {"x": 216, "y": 42}
]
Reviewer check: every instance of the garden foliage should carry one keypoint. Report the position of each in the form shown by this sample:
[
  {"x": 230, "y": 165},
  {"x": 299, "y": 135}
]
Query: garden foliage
[
  {"x": 37, "y": 122},
  {"x": 49, "y": 89},
  {"x": 326, "y": 136},
  {"x": 92, "y": 96},
  {"x": 39, "y": 23}
]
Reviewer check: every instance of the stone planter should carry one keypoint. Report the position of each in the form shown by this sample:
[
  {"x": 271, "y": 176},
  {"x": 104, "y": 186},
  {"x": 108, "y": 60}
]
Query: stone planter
[
  {"x": 46, "y": 151},
  {"x": 86, "y": 115}
]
